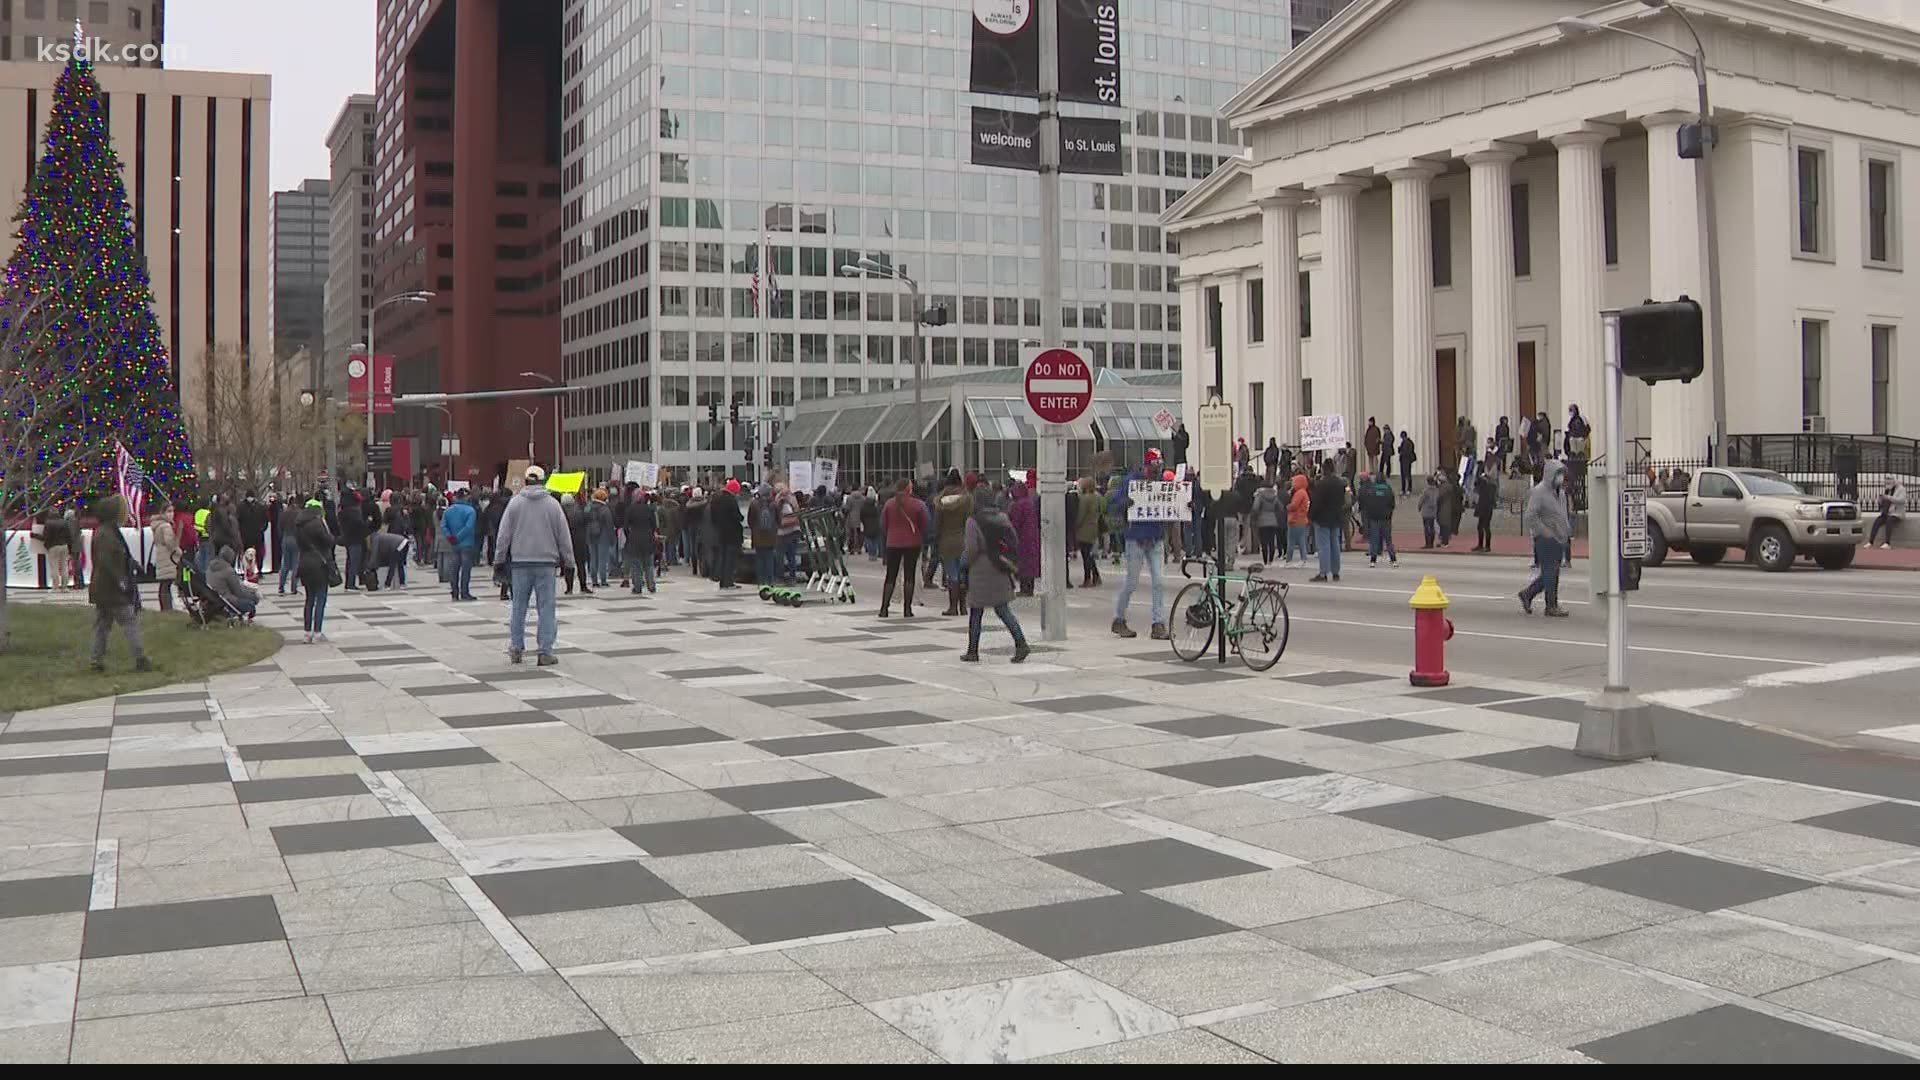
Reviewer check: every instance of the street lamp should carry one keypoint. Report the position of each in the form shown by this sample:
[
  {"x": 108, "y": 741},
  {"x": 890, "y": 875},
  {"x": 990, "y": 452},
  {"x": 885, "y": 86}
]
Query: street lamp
[
  {"x": 866, "y": 265},
  {"x": 416, "y": 296},
  {"x": 1703, "y": 174},
  {"x": 529, "y": 414},
  {"x": 449, "y": 441},
  {"x": 550, "y": 381}
]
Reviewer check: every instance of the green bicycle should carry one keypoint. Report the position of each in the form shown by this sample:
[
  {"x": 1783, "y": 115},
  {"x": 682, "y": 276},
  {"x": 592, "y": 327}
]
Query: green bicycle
[{"x": 1256, "y": 627}]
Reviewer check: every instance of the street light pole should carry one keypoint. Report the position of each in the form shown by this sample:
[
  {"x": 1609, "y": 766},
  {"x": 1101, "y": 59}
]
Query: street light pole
[
  {"x": 530, "y": 414},
  {"x": 1708, "y": 202},
  {"x": 417, "y": 296},
  {"x": 866, "y": 265},
  {"x": 550, "y": 381}
]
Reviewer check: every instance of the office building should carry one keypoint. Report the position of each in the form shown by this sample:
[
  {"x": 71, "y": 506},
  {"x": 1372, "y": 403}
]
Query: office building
[
  {"x": 839, "y": 128},
  {"x": 349, "y": 254},
  {"x": 1463, "y": 186},
  {"x": 297, "y": 265},
  {"x": 134, "y": 30},
  {"x": 466, "y": 204},
  {"x": 193, "y": 156},
  {"x": 1311, "y": 15}
]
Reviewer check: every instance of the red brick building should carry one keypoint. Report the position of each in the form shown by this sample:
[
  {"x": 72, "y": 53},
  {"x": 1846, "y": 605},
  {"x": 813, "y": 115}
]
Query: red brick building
[{"x": 467, "y": 205}]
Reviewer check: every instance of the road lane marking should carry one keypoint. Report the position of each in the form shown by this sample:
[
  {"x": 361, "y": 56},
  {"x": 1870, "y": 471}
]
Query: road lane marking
[
  {"x": 1805, "y": 675},
  {"x": 1533, "y": 639},
  {"x": 1634, "y": 605}
]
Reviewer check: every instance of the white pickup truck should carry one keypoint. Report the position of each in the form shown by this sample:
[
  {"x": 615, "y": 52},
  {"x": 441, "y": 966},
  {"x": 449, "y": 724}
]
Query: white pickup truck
[{"x": 1759, "y": 511}]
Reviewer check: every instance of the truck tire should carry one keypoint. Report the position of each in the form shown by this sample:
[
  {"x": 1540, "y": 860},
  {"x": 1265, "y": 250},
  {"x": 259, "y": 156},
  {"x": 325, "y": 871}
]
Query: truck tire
[
  {"x": 1707, "y": 554},
  {"x": 1772, "y": 549},
  {"x": 1656, "y": 546},
  {"x": 1834, "y": 558}
]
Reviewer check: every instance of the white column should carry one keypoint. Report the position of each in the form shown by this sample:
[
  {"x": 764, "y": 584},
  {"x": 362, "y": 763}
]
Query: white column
[
  {"x": 1583, "y": 259},
  {"x": 1337, "y": 378},
  {"x": 1233, "y": 341},
  {"x": 1196, "y": 367},
  {"x": 1682, "y": 413},
  {"x": 1414, "y": 394},
  {"x": 1494, "y": 389},
  {"x": 1280, "y": 267}
]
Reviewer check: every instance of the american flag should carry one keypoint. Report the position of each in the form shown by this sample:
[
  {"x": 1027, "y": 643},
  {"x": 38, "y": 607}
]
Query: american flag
[
  {"x": 131, "y": 481},
  {"x": 773, "y": 285}
]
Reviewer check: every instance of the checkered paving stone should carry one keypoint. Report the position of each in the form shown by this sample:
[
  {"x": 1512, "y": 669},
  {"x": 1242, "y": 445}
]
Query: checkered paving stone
[
  {"x": 464, "y": 861},
  {"x": 1470, "y": 695},
  {"x": 331, "y": 680},
  {"x": 737, "y": 632}
]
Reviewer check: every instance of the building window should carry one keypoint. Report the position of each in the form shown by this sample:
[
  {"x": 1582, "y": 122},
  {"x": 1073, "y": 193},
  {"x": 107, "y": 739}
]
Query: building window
[
  {"x": 1810, "y": 200},
  {"x": 1441, "y": 215},
  {"x": 1883, "y": 219},
  {"x": 1522, "y": 232},
  {"x": 1610, "y": 214},
  {"x": 1882, "y": 377},
  {"x": 1211, "y": 315},
  {"x": 1306, "y": 397},
  {"x": 1256, "y": 310},
  {"x": 1257, "y": 397},
  {"x": 1813, "y": 347},
  {"x": 1306, "y": 304}
]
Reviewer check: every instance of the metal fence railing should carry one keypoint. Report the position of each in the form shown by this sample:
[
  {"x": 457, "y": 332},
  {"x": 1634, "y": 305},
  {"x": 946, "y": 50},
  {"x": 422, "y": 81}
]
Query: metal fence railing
[{"x": 1840, "y": 466}]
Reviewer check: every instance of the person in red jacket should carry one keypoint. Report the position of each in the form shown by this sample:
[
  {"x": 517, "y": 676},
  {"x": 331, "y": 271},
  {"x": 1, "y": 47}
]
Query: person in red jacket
[{"x": 903, "y": 522}]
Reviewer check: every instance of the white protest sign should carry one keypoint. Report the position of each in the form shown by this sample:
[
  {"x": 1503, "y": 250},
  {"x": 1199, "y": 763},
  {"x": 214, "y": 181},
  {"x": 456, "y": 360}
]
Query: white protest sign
[
  {"x": 1163, "y": 422},
  {"x": 1159, "y": 500},
  {"x": 1180, "y": 472},
  {"x": 800, "y": 475},
  {"x": 826, "y": 473},
  {"x": 644, "y": 473},
  {"x": 1323, "y": 432}
]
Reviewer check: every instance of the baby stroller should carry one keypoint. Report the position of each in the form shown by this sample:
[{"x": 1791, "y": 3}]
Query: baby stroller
[{"x": 204, "y": 606}]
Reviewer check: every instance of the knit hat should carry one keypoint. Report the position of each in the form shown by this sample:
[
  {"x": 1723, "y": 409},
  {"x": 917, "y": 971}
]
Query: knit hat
[{"x": 733, "y": 487}]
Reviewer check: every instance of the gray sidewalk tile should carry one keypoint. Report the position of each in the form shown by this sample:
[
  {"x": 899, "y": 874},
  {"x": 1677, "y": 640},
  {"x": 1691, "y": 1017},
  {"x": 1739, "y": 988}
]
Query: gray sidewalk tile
[
  {"x": 455, "y": 1013},
  {"x": 289, "y": 1031},
  {"x": 1743, "y": 957},
  {"x": 298, "y": 787},
  {"x": 800, "y": 697},
  {"x": 1540, "y": 761},
  {"x": 41, "y": 939},
  {"x": 1560, "y": 910},
  {"x": 786, "y": 793},
  {"x": 428, "y": 759},
  {"x": 1235, "y": 771},
  {"x": 331, "y": 680},
  {"x": 899, "y": 965},
  {"x": 1191, "y": 1046},
  {"x": 1220, "y": 972},
  {"x": 1557, "y": 999},
  {"x": 361, "y": 908},
  {"x": 860, "y": 682},
  {"x": 1334, "y": 678},
  {"x": 1149, "y": 864},
  {"x": 350, "y": 835},
  {"x": 696, "y": 993},
  {"x": 1689, "y": 881},
  {"x": 1104, "y": 924},
  {"x": 63, "y": 763},
  {"x": 1470, "y": 695},
  {"x": 1382, "y": 729},
  {"x": 845, "y": 1034},
  {"x": 194, "y": 924},
  {"x": 293, "y": 751},
  {"x": 628, "y": 932},
  {"x": 1376, "y": 1027},
  {"x": 1895, "y": 822},
  {"x": 1731, "y": 1035},
  {"x": 801, "y": 745},
  {"x": 1442, "y": 817},
  {"x": 1399, "y": 936},
  {"x": 17, "y": 738},
  {"x": 175, "y": 716},
  {"x": 865, "y": 721},
  {"x": 723, "y": 671},
  {"x": 1084, "y": 703},
  {"x": 448, "y": 689},
  {"x": 1423, "y": 872},
  {"x": 44, "y": 896},
  {"x": 578, "y": 701},
  {"x": 375, "y": 959},
  {"x": 1272, "y": 896},
  {"x": 498, "y": 719},
  {"x": 186, "y": 979},
  {"x": 798, "y": 911},
  {"x": 1211, "y": 726},
  {"x": 573, "y": 888},
  {"x": 597, "y": 1046},
  {"x": 1196, "y": 676}
]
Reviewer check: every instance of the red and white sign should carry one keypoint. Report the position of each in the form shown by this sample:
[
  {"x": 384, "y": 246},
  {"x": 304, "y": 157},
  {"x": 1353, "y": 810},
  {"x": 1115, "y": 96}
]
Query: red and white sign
[
  {"x": 1059, "y": 385},
  {"x": 382, "y": 382}
]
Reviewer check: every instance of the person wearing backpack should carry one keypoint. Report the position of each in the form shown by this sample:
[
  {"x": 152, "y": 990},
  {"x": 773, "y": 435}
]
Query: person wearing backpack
[
  {"x": 990, "y": 552},
  {"x": 763, "y": 526}
]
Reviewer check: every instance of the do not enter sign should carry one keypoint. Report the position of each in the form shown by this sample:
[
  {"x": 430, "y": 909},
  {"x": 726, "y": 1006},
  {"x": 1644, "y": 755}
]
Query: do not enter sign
[{"x": 1059, "y": 385}]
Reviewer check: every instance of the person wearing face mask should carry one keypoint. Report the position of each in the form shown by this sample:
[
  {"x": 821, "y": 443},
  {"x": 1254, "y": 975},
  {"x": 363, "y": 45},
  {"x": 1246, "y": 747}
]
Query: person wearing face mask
[{"x": 1548, "y": 523}]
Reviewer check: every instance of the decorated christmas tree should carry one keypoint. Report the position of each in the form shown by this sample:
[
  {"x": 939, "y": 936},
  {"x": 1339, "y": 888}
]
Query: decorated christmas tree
[{"x": 83, "y": 347}]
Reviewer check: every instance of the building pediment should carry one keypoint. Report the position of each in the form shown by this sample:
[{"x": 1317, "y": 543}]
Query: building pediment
[{"x": 1227, "y": 192}]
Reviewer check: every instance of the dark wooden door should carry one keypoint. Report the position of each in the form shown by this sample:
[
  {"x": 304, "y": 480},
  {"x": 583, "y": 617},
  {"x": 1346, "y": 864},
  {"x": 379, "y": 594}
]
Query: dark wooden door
[
  {"x": 1446, "y": 406},
  {"x": 1529, "y": 400}
]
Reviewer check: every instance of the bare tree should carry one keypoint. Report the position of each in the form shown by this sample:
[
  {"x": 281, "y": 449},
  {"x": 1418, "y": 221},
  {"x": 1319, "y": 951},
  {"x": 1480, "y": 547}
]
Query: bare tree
[
  {"x": 252, "y": 428},
  {"x": 33, "y": 467}
]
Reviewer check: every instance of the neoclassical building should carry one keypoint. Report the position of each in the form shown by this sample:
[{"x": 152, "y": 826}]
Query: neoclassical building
[{"x": 1439, "y": 197}]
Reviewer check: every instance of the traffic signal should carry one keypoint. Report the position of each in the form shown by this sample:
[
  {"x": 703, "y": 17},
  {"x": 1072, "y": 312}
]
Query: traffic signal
[
  {"x": 713, "y": 412},
  {"x": 766, "y": 455},
  {"x": 1662, "y": 341},
  {"x": 935, "y": 315},
  {"x": 733, "y": 408}
]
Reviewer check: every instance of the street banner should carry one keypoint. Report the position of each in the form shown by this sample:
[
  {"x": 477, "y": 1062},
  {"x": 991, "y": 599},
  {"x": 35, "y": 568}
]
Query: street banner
[
  {"x": 1004, "y": 139},
  {"x": 644, "y": 473},
  {"x": 1089, "y": 48},
  {"x": 800, "y": 476},
  {"x": 1323, "y": 432},
  {"x": 1159, "y": 500},
  {"x": 1006, "y": 48},
  {"x": 382, "y": 383},
  {"x": 826, "y": 473}
]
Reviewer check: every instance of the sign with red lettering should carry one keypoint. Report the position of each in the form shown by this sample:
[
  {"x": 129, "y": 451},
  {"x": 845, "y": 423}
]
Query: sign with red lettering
[
  {"x": 1059, "y": 384},
  {"x": 382, "y": 383}
]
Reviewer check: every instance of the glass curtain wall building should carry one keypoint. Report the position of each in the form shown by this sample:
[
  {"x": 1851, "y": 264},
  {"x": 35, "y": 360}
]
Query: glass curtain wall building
[{"x": 838, "y": 130}]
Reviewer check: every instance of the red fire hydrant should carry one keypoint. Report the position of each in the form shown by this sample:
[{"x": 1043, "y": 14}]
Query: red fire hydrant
[{"x": 1431, "y": 631}]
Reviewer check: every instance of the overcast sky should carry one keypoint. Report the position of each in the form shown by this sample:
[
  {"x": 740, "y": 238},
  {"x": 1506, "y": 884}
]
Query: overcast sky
[{"x": 318, "y": 52}]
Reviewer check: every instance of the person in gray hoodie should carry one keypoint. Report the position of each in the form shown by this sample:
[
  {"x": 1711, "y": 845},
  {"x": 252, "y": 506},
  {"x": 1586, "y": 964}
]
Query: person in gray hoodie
[
  {"x": 533, "y": 542},
  {"x": 1547, "y": 522}
]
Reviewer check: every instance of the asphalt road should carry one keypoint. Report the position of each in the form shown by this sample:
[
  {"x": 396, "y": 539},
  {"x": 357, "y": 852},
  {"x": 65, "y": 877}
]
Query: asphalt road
[{"x": 1813, "y": 653}]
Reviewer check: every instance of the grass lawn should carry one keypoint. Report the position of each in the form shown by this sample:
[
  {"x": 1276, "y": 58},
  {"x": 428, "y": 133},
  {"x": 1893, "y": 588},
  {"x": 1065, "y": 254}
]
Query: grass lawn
[{"x": 47, "y": 662}]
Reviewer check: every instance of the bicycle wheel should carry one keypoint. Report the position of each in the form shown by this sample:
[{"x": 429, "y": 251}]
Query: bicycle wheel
[
  {"x": 1264, "y": 624},
  {"x": 1191, "y": 622}
]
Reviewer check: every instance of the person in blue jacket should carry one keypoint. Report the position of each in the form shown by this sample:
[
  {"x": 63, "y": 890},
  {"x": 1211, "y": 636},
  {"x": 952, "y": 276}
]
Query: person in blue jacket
[
  {"x": 1145, "y": 543},
  {"x": 459, "y": 526}
]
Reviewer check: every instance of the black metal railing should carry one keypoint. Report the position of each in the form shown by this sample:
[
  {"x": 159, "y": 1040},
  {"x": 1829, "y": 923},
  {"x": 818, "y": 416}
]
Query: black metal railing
[{"x": 1856, "y": 467}]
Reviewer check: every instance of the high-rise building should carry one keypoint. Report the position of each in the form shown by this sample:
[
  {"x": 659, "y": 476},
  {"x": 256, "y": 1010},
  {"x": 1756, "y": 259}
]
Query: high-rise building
[
  {"x": 466, "y": 204},
  {"x": 349, "y": 292},
  {"x": 297, "y": 265},
  {"x": 839, "y": 130},
  {"x": 193, "y": 156},
  {"x": 1311, "y": 15},
  {"x": 129, "y": 32}
]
